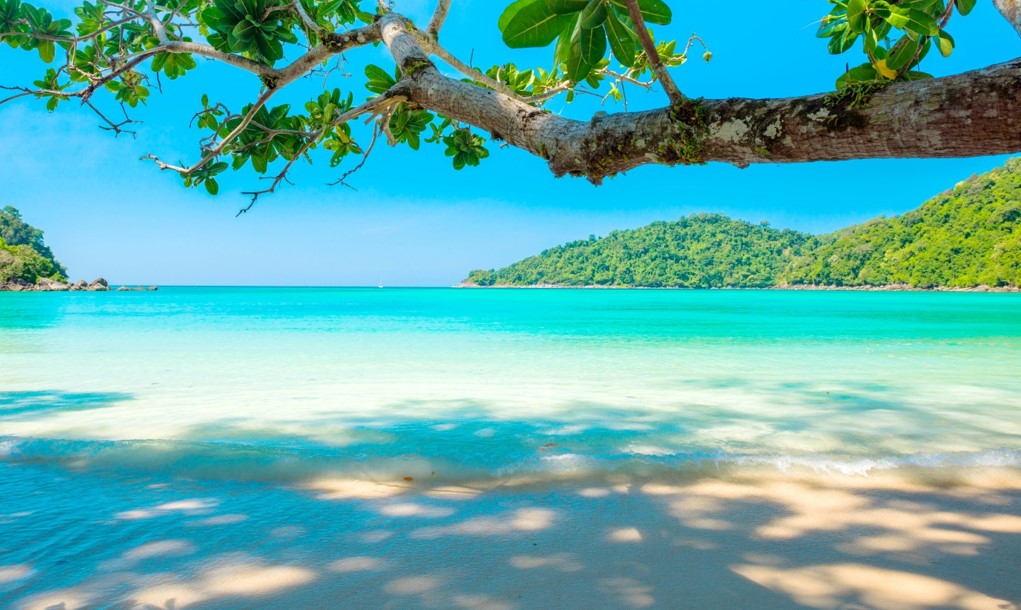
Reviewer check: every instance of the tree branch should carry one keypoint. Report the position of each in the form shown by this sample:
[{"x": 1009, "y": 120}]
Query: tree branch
[
  {"x": 976, "y": 113},
  {"x": 439, "y": 16},
  {"x": 217, "y": 150},
  {"x": 672, "y": 92},
  {"x": 306, "y": 19},
  {"x": 1011, "y": 11}
]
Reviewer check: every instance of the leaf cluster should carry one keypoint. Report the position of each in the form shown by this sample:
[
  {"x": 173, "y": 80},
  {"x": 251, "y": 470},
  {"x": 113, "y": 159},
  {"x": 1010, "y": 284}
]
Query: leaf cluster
[
  {"x": 895, "y": 35},
  {"x": 582, "y": 29}
]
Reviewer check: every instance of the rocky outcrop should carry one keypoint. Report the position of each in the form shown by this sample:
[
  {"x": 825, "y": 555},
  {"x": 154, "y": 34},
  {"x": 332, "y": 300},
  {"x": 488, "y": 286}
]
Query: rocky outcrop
[
  {"x": 48, "y": 285},
  {"x": 16, "y": 285}
]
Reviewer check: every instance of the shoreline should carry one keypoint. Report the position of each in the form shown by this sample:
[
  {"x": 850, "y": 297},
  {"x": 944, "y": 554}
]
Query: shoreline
[{"x": 787, "y": 288}]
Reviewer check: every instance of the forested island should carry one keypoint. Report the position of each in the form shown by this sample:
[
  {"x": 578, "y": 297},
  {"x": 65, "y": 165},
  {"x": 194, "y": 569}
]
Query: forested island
[
  {"x": 966, "y": 237},
  {"x": 27, "y": 264},
  {"x": 24, "y": 255}
]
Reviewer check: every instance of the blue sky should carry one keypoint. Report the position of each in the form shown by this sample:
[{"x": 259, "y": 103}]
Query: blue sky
[{"x": 414, "y": 220}]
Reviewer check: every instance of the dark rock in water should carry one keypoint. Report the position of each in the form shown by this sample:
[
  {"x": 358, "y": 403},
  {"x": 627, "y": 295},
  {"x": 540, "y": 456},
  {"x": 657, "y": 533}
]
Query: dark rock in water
[
  {"x": 123, "y": 289},
  {"x": 78, "y": 286},
  {"x": 154, "y": 288}
]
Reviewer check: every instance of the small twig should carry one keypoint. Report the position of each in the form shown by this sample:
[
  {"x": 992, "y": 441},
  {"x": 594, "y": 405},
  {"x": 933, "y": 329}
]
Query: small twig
[
  {"x": 624, "y": 77},
  {"x": 365, "y": 157},
  {"x": 430, "y": 46},
  {"x": 116, "y": 128},
  {"x": 548, "y": 94},
  {"x": 374, "y": 105}
]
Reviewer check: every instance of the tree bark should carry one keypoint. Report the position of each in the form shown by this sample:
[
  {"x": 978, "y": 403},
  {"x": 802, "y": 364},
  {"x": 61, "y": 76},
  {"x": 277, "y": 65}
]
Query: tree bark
[
  {"x": 971, "y": 114},
  {"x": 1011, "y": 11}
]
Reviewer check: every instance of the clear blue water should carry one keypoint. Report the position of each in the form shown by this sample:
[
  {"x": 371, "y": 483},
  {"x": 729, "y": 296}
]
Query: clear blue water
[{"x": 284, "y": 384}]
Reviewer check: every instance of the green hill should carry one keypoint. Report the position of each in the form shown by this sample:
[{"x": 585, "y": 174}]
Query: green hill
[
  {"x": 701, "y": 251},
  {"x": 965, "y": 237},
  {"x": 23, "y": 254}
]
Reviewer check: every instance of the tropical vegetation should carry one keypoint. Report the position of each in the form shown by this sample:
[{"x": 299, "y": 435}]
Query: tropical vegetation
[
  {"x": 23, "y": 253},
  {"x": 967, "y": 236}
]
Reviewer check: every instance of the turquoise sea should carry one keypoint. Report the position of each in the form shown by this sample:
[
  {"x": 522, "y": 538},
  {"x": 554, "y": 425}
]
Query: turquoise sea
[
  {"x": 129, "y": 419},
  {"x": 284, "y": 383}
]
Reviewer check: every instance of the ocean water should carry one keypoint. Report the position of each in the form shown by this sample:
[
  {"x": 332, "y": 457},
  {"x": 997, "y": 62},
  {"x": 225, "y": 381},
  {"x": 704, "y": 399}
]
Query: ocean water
[{"x": 284, "y": 384}]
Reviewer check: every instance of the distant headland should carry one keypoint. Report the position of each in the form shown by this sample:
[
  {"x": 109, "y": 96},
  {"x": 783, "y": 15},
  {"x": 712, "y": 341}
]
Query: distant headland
[
  {"x": 28, "y": 265},
  {"x": 968, "y": 238}
]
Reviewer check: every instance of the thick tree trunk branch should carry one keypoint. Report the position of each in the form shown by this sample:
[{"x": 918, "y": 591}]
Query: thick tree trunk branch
[
  {"x": 1011, "y": 11},
  {"x": 971, "y": 114}
]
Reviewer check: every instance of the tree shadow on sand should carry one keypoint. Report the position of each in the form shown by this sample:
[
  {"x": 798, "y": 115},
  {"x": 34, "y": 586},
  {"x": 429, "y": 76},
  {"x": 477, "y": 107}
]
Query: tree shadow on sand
[{"x": 916, "y": 541}]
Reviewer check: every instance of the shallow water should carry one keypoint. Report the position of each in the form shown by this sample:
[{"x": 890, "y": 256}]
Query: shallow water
[{"x": 286, "y": 384}]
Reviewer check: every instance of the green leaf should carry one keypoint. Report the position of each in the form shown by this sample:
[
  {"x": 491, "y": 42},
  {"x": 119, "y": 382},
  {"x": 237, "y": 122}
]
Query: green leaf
[
  {"x": 842, "y": 42},
  {"x": 259, "y": 163},
  {"x": 881, "y": 9},
  {"x": 861, "y": 74},
  {"x": 964, "y": 6},
  {"x": 829, "y": 28},
  {"x": 902, "y": 53},
  {"x": 534, "y": 26},
  {"x": 913, "y": 20},
  {"x": 946, "y": 44},
  {"x": 653, "y": 11},
  {"x": 621, "y": 37},
  {"x": 211, "y": 186},
  {"x": 593, "y": 46},
  {"x": 379, "y": 80},
  {"x": 594, "y": 14},
  {"x": 856, "y": 17},
  {"x": 512, "y": 10},
  {"x": 566, "y": 7},
  {"x": 47, "y": 50}
]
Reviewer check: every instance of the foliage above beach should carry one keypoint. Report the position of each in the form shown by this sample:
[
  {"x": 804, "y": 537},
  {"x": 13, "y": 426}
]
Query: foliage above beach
[
  {"x": 964, "y": 237},
  {"x": 111, "y": 56},
  {"x": 23, "y": 253}
]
